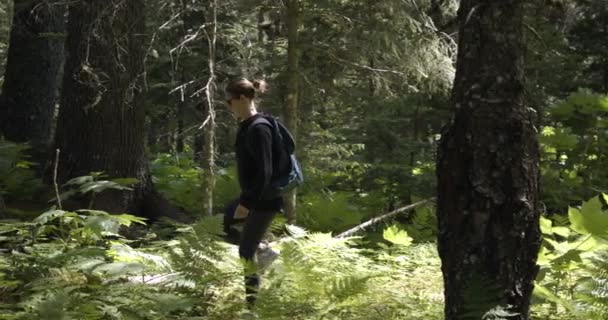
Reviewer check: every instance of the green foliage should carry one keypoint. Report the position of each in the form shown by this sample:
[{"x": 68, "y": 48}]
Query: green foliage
[
  {"x": 82, "y": 227},
  {"x": 226, "y": 186},
  {"x": 423, "y": 226},
  {"x": 568, "y": 257},
  {"x": 322, "y": 277},
  {"x": 181, "y": 181},
  {"x": 56, "y": 271},
  {"x": 374, "y": 83},
  {"x": 592, "y": 290},
  {"x": 590, "y": 219},
  {"x": 203, "y": 241},
  {"x": 93, "y": 184},
  {"x": 49, "y": 271},
  {"x": 367, "y": 110},
  {"x": 573, "y": 149},
  {"x": 330, "y": 211},
  {"x": 397, "y": 236},
  {"x": 17, "y": 178}
]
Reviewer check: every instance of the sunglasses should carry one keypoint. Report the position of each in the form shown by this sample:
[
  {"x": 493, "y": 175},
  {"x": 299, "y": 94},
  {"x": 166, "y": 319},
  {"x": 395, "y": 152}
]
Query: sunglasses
[{"x": 229, "y": 100}]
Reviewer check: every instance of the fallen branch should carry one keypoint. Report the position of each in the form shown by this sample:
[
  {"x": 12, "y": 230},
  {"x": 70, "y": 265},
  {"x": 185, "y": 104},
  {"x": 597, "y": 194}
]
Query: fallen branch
[{"x": 373, "y": 221}]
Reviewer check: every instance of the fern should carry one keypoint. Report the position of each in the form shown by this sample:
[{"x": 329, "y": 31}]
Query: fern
[
  {"x": 198, "y": 275},
  {"x": 593, "y": 290},
  {"x": 320, "y": 277},
  {"x": 46, "y": 277},
  {"x": 199, "y": 255}
]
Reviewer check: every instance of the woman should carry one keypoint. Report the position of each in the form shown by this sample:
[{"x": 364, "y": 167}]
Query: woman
[{"x": 256, "y": 157}]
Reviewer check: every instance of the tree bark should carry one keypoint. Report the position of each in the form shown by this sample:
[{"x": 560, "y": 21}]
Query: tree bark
[
  {"x": 5, "y": 31},
  {"x": 101, "y": 120},
  {"x": 293, "y": 90},
  {"x": 33, "y": 68},
  {"x": 488, "y": 169}
]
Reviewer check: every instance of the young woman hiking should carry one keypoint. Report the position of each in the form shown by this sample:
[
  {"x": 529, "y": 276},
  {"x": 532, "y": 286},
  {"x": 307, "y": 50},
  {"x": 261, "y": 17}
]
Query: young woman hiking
[{"x": 259, "y": 160}]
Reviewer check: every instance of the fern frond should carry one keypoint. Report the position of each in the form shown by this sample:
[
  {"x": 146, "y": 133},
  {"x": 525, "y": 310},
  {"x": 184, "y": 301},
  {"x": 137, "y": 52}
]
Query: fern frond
[{"x": 593, "y": 290}]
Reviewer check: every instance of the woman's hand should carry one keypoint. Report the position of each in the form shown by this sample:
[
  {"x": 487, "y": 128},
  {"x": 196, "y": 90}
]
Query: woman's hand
[{"x": 241, "y": 212}]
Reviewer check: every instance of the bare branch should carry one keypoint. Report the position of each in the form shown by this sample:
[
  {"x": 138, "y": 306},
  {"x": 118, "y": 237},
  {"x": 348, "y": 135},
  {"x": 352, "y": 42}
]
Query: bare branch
[
  {"x": 381, "y": 218},
  {"x": 55, "y": 179}
]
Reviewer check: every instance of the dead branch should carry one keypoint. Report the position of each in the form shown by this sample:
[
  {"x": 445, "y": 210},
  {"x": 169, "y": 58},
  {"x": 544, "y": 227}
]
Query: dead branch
[{"x": 381, "y": 218}]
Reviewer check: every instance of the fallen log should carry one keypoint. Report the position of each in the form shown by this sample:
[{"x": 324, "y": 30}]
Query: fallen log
[{"x": 383, "y": 217}]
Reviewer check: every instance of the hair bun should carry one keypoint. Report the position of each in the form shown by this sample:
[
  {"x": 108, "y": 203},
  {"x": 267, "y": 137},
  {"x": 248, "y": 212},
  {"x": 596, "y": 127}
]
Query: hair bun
[{"x": 260, "y": 86}]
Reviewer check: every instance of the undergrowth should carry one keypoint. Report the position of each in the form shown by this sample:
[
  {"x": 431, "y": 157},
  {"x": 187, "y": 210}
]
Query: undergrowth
[{"x": 76, "y": 265}]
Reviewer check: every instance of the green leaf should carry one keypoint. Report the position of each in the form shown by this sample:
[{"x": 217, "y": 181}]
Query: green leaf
[
  {"x": 570, "y": 255},
  {"x": 546, "y": 294},
  {"x": 545, "y": 226},
  {"x": 558, "y": 246},
  {"x": 586, "y": 243},
  {"x": 49, "y": 216},
  {"x": 99, "y": 224},
  {"x": 79, "y": 180},
  {"x": 590, "y": 219},
  {"x": 127, "y": 219},
  {"x": 397, "y": 236},
  {"x": 99, "y": 186},
  {"x": 561, "y": 231},
  {"x": 543, "y": 257}
]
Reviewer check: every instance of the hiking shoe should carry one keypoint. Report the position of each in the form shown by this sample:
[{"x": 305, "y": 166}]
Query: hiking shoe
[{"x": 265, "y": 256}]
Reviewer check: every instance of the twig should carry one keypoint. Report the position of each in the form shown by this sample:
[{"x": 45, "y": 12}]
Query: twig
[
  {"x": 373, "y": 221},
  {"x": 536, "y": 35},
  {"x": 205, "y": 122},
  {"x": 182, "y": 87},
  {"x": 55, "y": 179},
  {"x": 354, "y": 64}
]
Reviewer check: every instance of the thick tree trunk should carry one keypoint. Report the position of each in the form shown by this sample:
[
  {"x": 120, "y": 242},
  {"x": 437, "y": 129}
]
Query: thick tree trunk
[
  {"x": 293, "y": 90},
  {"x": 488, "y": 169},
  {"x": 101, "y": 120},
  {"x": 35, "y": 58}
]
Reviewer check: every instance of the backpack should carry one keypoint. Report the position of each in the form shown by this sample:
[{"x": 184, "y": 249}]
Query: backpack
[{"x": 291, "y": 176}]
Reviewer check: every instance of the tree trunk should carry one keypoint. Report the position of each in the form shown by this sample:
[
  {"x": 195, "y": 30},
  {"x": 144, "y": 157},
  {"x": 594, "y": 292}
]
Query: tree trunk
[
  {"x": 209, "y": 128},
  {"x": 180, "y": 115},
  {"x": 488, "y": 169},
  {"x": 101, "y": 120},
  {"x": 5, "y": 30},
  {"x": 605, "y": 46},
  {"x": 31, "y": 83},
  {"x": 293, "y": 90}
]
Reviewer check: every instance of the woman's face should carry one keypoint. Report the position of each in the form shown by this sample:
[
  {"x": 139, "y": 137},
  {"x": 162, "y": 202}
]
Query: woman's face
[{"x": 236, "y": 105}]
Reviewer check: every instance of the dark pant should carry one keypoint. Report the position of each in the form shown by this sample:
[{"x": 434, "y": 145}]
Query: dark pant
[{"x": 255, "y": 226}]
